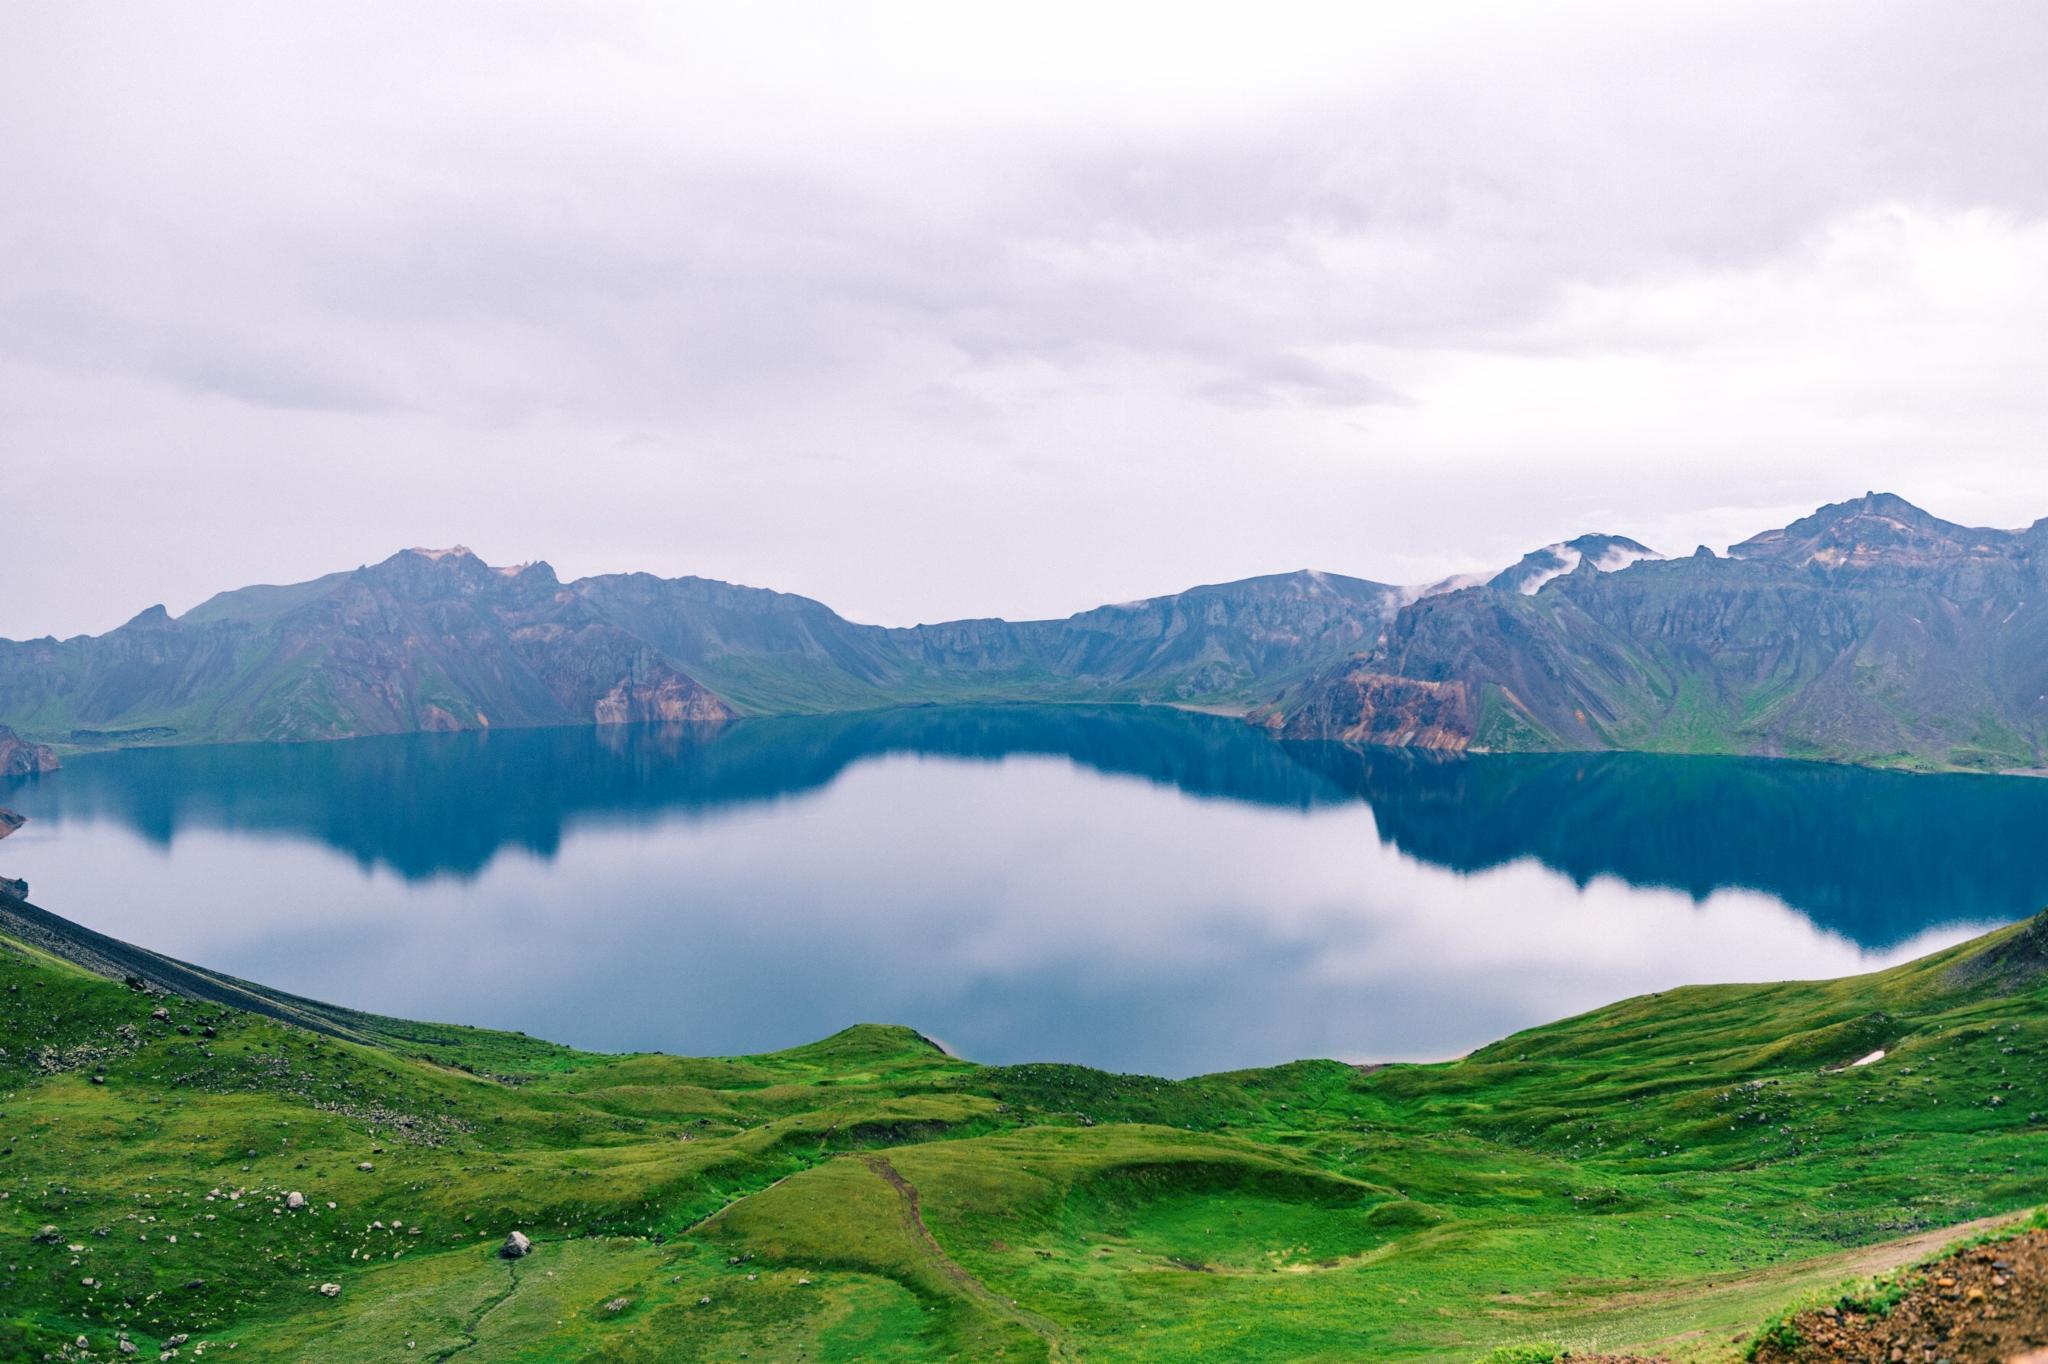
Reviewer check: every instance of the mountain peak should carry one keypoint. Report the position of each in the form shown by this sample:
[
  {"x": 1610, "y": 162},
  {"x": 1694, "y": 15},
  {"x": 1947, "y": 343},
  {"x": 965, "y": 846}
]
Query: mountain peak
[
  {"x": 431, "y": 571},
  {"x": 1872, "y": 530},
  {"x": 152, "y": 618},
  {"x": 1594, "y": 553}
]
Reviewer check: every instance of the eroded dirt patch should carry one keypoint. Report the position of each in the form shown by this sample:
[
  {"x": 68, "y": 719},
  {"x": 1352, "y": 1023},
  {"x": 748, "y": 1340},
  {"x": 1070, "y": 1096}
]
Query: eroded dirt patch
[{"x": 1984, "y": 1305}]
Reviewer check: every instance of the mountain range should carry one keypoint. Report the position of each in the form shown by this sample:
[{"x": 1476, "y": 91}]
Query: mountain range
[{"x": 1869, "y": 631}]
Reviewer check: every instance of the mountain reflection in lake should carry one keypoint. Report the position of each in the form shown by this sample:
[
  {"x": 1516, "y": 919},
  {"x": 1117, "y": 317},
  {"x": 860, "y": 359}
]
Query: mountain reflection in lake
[{"x": 1135, "y": 888}]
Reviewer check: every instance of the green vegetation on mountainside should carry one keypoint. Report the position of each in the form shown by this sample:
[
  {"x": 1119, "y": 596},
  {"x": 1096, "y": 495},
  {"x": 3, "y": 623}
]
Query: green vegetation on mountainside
[{"x": 1671, "y": 1168}]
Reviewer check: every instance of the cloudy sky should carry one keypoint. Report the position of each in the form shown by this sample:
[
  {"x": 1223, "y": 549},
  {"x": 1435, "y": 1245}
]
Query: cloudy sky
[{"x": 948, "y": 310}]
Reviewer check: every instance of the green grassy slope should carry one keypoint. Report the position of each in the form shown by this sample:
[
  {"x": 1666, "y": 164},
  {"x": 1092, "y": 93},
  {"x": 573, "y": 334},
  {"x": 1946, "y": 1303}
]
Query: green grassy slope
[{"x": 1669, "y": 1169}]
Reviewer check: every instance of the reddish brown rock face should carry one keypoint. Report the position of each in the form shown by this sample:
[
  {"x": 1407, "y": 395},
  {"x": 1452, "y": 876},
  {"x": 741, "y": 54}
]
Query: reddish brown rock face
[
  {"x": 20, "y": 758},
  {"x": 1366, "y": 707},
  {"x": 673, "y": 699}
]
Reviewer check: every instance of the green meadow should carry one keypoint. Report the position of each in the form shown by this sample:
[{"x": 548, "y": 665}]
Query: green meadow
[{"x": 1663, "y": 1173}]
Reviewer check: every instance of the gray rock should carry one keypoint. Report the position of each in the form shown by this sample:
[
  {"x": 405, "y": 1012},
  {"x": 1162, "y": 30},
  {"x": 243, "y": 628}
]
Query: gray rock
[
  {"x": 516, "y": 1246},
  {"x": 331, "y": 1290},
  {"x": 295, "y": 1200}
]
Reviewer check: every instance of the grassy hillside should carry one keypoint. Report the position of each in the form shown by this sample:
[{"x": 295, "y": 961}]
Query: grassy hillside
[{"x": 1669, "y": 1169}]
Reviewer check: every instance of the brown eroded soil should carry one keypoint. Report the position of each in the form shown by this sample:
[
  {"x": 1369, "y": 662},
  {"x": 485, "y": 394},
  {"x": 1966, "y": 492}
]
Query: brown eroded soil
[{"x": 1984, "y": 1305}]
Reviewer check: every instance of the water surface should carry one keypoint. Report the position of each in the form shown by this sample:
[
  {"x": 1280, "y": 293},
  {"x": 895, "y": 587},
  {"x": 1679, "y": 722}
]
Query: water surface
[{"x": 1134, "y": 888}]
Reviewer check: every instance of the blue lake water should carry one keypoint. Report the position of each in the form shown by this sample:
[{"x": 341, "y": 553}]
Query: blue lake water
[{"x": 1134, "y": 888}]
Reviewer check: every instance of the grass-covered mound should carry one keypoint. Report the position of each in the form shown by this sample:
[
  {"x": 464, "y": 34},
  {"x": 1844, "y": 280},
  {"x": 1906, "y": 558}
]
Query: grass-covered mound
[{"x": 1664, "y": 1173}]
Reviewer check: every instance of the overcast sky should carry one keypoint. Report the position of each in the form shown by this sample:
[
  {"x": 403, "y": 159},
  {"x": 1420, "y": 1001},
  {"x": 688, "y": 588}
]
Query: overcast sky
[{"x": 949, "y": 310}]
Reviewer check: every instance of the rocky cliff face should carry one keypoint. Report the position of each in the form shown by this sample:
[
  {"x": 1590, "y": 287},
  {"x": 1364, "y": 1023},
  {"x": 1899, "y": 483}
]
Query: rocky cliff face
[
  {"x": 19, "y": 758},
  {"x": 1869, "y": 630},
  {"x": 1358, "y": 705}
]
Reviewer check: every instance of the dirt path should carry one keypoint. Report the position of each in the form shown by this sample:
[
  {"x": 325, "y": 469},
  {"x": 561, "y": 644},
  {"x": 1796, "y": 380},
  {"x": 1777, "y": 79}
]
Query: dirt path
[
  {"x": 472, "y": 1328},
  {"x": 913, "y": 1218},
  {"x": 1792, "y": 1277},
  {"x": 1843, "y": 1266},
  {"x": 709, "y": 1218}
]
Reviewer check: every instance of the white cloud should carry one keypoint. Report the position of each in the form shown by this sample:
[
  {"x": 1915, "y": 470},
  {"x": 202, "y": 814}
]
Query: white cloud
[{"x": 935, "y": 311}]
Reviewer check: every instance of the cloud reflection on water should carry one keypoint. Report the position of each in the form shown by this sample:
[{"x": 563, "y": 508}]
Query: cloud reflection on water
[{"x": 1134, "y": 890}]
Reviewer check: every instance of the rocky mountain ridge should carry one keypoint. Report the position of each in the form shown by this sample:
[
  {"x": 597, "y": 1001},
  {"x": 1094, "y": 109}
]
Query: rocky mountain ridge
[
  {"x": 440, "y": 640},
  {"x": 1869, "y": 631}
]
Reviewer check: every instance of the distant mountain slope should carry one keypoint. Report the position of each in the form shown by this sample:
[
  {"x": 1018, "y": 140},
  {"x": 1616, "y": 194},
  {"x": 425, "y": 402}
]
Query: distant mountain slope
[
  {"x": 424, "y": 640},
  {"x": 433, "y": 639},
  {"x": 1869, "y": 631}
]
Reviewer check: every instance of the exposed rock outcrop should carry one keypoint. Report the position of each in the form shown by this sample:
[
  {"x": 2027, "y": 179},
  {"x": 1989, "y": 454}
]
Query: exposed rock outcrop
[
  {"x": 20, "y": 758},
  {"x": 1362, "y": 706},
  {"x": 658, "y": 694},
  {"x": 2014, "y": 962},
  {"x": 10, "y": 820}
]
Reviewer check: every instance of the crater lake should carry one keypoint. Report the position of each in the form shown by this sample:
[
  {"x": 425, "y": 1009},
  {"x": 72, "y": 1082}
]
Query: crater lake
[{"x": 1136, "y": 888}]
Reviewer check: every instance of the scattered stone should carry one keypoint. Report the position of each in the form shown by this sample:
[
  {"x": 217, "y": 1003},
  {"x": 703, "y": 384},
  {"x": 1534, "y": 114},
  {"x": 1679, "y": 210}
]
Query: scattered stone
[
  {"x": 365, "y": 1166},
  {"x": 516, "y": 1246},
  {"x": 295, "y": 1200},
  {"x": 48, "y": 1236},
  {"x": 618, "y": 1305},
  {"x": 330, "y": 1290}
]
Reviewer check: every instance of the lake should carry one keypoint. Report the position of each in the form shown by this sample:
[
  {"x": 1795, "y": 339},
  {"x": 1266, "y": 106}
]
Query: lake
[{"x": 1134, "y": 888}]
